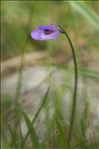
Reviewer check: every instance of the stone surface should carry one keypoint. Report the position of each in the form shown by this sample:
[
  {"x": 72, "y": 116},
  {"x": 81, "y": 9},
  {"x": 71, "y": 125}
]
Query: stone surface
[{"x": 35, "y": 83}]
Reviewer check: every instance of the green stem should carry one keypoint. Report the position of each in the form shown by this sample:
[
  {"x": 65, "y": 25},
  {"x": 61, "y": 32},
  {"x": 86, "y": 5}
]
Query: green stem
[
  {"x": 75, "y": 87},
  {"x": 35, "y": 117},
  {"x": 23, "y": 50}
]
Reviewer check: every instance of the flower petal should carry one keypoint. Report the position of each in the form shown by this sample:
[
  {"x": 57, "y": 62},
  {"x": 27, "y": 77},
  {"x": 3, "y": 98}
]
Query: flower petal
[
  {"x": 36, "y": 34},
  {"x": 43, "y": 27},
  {"x": 53, "y": 35},
  {"x": 40, "y": 33}
]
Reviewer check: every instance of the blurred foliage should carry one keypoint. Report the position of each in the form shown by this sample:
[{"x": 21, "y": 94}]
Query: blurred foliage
[
  {"x": 91, "y": 17},
  {"x": 14, "y": 20}
]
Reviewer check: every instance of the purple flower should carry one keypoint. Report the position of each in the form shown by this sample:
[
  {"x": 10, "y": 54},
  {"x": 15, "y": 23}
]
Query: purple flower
[{"x": 45, "y": 32}]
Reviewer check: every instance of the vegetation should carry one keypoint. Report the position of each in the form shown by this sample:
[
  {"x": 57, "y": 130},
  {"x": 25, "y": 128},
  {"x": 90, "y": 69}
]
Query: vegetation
[{"x": 47, "y": 126}]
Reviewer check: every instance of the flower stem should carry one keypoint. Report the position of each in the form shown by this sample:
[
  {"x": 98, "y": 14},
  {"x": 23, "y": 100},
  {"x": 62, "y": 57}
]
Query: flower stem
[{"x": 75, "y": 87}]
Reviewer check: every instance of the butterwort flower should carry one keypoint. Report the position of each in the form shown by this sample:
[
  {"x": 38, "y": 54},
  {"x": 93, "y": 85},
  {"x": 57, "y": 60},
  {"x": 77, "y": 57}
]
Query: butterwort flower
[
  {"x": 52, "y": 32},
  {"x": 45, "y": 32}
]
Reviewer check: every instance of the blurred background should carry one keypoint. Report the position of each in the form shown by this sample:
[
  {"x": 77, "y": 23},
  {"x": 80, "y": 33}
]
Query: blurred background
[{"x": 28, "y": 67}]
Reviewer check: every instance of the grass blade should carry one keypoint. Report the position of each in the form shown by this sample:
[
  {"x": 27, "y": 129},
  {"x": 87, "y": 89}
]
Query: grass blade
[
  {"x": 32, "y": 132},
  {"x": 89, "y": 73},
  {"x": 36, "y": 115},
  {"x": 85, "y": 11},
  {"x": 14, "y": 142}
]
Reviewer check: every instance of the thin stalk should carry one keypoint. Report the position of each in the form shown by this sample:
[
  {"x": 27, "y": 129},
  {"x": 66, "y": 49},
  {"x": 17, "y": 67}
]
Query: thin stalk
[
  {"x": 23, "y": 50},
  {"x": 20, "y": 77},
  {"x": 75, "y": 86},
  {"x": 35, "y": 117}
]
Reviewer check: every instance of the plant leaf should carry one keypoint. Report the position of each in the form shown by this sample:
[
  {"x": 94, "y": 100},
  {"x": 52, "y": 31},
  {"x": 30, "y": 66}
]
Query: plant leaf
[
  {"x": 86, "y": 12},
  {"x": 37, "y": 113},
  {"x": 32, "y": 132}
]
